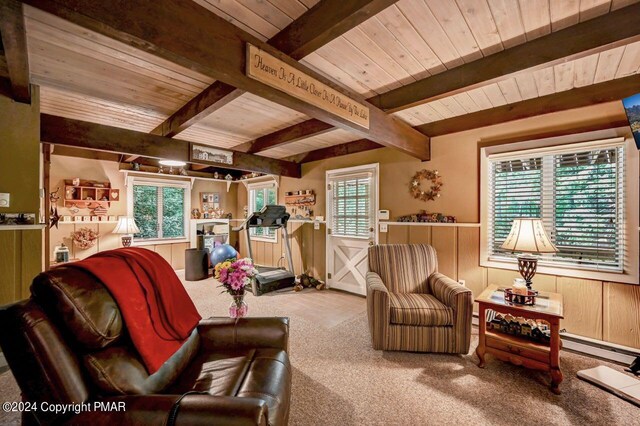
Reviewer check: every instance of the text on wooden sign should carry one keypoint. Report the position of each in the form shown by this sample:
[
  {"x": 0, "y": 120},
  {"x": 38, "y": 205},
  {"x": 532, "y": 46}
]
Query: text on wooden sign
[{"x": 270, "y": 70}]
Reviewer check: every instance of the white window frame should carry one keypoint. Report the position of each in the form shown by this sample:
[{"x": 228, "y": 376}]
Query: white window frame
[
  {"x": 590, "y": 140},
  {"x": 251, "y": 202},
  {"x": 186, "y": 185}
]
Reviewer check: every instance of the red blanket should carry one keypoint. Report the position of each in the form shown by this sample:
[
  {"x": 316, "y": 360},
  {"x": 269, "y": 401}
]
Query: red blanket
[{"x": 156, "y": 309}]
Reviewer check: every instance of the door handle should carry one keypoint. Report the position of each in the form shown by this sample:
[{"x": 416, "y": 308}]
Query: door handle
[{"x": 370, "y": 243}]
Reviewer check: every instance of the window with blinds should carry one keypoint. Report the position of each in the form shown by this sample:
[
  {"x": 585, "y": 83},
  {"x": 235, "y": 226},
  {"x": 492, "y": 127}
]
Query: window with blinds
[
  {"x": 352, "y": 210},
  {"x": 578, "y": 195}
]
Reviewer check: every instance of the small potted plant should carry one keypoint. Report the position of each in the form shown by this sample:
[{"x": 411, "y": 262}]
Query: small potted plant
[{"x": 234, "y": 275}]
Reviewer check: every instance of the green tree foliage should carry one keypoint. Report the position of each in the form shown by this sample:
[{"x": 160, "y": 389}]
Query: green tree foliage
[
  {"x": 148, "y": 211},
  {"x": 145, "y": 210},
  {"x": 173, "y": 212}
]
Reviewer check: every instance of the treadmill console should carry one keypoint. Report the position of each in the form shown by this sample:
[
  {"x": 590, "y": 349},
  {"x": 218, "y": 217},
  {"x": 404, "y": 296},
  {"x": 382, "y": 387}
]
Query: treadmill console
[{"x": 271, "y": 216}]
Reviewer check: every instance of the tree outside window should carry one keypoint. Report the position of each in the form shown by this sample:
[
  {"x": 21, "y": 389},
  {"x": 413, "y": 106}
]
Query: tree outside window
[
  {"x": 260, "y": 196},
  {"x": 159, "y": 210}
]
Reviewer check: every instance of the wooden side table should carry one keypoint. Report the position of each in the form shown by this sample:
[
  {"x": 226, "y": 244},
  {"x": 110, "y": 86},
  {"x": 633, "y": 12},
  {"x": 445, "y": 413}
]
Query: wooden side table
[{"x": 520, "y": 350}]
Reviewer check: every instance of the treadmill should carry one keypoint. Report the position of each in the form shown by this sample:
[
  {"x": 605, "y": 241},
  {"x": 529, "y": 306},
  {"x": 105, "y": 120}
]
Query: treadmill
[{"x": 270, "y": 278}]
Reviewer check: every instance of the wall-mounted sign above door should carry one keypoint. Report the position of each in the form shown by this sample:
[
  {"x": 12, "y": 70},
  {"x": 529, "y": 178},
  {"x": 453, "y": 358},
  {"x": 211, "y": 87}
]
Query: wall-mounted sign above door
[{"x": 264, "y": 67}]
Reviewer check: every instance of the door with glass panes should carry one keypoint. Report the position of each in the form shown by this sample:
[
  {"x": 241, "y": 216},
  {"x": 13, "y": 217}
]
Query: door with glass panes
[{"x": 352, "y": 203}]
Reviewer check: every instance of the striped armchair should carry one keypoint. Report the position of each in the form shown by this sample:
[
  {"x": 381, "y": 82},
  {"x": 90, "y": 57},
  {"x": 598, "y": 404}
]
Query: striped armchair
[{"x": 413, "y": 307}]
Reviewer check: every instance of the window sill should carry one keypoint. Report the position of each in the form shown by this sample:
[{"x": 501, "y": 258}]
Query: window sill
[
  {"x": 616, "y": 277},
  {"x": 142, "y": 243},
  {"x": 264, "y": 240}
]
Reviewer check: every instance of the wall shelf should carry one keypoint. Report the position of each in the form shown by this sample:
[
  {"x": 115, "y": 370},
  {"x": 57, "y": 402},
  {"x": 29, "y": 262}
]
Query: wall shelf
[
  {"x": 100, "y": 194},
  {"x": 90, "y": 222},
  {"x": 307, "y": 200}
]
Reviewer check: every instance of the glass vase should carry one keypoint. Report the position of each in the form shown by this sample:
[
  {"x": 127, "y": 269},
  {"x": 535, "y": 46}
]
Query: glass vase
[{"x": 238, "y": 307}]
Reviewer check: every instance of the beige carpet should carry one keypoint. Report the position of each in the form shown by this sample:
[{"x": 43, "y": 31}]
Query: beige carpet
[{"x": 339, "y": 380}]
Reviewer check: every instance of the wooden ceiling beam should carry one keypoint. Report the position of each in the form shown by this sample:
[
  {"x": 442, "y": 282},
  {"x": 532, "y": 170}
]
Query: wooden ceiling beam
[
  {"x": 211, "y": 99},
  {"x": 326, "y": 21},
  {"x": 614, "y": 29},
  {"x": 607, "y": 91},
  {"x": 353, "y": 147},
  {"x": 98, "y": 137},
  {"x": 208, "y": 44},
  {"x": 14, "y": 42},
  {"x": 286, "y": 136}
]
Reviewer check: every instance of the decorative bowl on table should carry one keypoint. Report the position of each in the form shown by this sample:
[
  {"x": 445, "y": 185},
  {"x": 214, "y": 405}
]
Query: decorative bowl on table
[{"x": 520, "y": 299}]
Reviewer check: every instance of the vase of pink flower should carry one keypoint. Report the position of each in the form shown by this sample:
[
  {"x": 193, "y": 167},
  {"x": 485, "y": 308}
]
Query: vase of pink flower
[{"x": 234, "y": 276}]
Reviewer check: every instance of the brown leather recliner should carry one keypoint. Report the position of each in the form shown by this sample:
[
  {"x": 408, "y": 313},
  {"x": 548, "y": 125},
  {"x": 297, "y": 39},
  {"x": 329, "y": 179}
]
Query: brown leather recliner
[{"x": 68, "y": 345}]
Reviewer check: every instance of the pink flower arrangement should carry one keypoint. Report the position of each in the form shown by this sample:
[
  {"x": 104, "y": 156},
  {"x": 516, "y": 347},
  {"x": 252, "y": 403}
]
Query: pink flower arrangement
[
  {"x": 235, "y": 275},
  {"x": 84, "y": 238}
]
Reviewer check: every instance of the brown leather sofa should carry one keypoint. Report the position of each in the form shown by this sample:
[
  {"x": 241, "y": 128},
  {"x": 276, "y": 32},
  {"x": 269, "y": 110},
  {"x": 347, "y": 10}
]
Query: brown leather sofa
[{"x": 68, "y": 345}]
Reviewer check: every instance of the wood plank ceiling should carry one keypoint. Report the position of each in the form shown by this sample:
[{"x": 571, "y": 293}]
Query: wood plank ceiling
[{"x": 87, "y": 76}]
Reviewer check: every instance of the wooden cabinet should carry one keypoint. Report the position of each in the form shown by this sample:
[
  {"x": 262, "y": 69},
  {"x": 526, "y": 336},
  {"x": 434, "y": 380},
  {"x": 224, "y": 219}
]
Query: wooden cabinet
[{"x": 89, "y": 194}]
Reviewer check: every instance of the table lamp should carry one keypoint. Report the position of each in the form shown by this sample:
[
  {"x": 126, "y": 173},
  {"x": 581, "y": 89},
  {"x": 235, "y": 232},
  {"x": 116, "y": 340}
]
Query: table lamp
[
  {"x": 127, "y": 227},
  {"x": 528, "y": 237}
]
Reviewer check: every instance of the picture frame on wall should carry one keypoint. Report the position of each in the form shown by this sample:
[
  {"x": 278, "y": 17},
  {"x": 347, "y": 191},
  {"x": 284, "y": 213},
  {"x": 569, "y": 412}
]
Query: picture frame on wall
[
  {"x": 204, "y": 154},
  {"x": 209, "y": 201}
]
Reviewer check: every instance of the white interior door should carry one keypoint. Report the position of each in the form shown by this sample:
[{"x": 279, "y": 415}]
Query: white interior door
[{"x": 352, "y": 205}]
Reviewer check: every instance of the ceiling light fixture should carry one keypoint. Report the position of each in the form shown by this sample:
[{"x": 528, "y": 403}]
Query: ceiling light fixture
[{"x": 172, "y": 163}]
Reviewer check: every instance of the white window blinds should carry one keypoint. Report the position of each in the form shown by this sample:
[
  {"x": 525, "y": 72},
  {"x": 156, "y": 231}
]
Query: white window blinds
[
  {"x": 579, "y": 196},
  {"x": 352, "y": 210}
]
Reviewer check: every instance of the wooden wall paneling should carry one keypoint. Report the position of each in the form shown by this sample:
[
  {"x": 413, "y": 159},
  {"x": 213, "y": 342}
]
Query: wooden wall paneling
[
  {"x": 268, "y": 254},
  {"x": 31, "y": 260},
  {"x": 295, "y": 233},
  {"x": 177, "y": 255},
  {"x": 419, "y": 234},
  {"x": 398, "y": 234},
  {"x": 469, "y": 268},
  {"x": 621, "y": 314},
  {"x": 164, "y": 250},
  {"x": 504, "y": 278},
  {"x": 319, "y": 250},
  {"x": 9, "y": 266},
  {"x": 276, "y": 251},
  {"x": 257, "y": 250},
  {"x": 307, "y": 248},
  {"x": 32, "y": 264},
  {"x": 444, "y": 240},
  {"x": 582, "y": 306}
]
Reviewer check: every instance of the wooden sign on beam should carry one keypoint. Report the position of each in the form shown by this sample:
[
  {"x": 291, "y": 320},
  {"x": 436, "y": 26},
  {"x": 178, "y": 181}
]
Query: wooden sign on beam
[{"x": 268, "y": 69}]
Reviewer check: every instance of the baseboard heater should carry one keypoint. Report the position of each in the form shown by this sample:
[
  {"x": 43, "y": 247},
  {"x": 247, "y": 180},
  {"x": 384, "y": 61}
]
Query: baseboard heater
[{"x": 595, "y": 348}]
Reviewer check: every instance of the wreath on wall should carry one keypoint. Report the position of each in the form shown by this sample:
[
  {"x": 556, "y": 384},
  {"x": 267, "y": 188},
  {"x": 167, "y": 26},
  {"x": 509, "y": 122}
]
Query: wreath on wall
[{"x": 415, "y": 187}]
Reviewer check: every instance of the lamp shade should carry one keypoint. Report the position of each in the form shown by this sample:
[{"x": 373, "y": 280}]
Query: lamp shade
[
  {"x": 126, "y": 225},
  {"x": 528, "y": 235}
]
